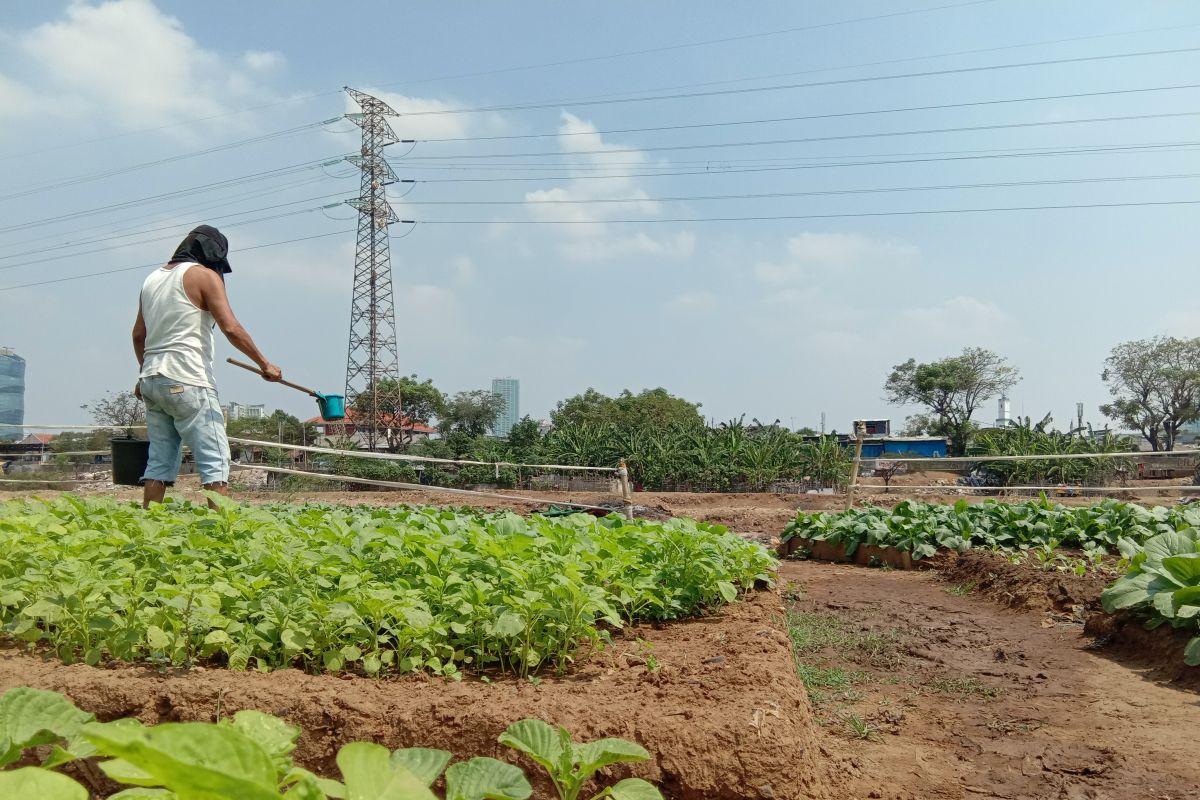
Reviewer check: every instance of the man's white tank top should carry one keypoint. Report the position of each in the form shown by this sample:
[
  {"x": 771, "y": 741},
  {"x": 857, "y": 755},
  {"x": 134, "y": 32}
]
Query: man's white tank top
[{"x": 179, "y": 336}]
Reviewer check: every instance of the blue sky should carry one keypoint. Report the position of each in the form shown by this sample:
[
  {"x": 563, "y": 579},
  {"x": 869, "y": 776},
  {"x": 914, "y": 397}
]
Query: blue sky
[{"x": 770, "y": 318}]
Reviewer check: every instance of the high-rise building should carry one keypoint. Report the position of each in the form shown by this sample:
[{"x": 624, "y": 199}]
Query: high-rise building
[
  {"x": 236, "y": 411},
  {"x": 510, "y": 390},
  {"x": 12, "y": 393}
]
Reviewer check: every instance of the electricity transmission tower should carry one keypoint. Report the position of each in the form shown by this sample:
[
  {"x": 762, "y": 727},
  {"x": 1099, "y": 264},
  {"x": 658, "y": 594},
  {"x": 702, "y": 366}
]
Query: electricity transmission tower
[{"x": 372, "y": 355}]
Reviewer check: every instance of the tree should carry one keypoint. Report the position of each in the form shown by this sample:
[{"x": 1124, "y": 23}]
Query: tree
[
  {"x": 525, "y": 440},
  {"x": 118, "y": 410},
  {"x": 1155, "y": 387},
  {"x": 278, "y": 427},
  {"x": 471, "y": 413},
  {"x": 650, "y": 408},
  {"x": 410, "y": 399},
  {"x": 952, "y": 389}
]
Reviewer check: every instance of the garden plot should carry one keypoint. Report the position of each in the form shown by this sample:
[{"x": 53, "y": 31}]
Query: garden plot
[{"x": 416, "y": 627}]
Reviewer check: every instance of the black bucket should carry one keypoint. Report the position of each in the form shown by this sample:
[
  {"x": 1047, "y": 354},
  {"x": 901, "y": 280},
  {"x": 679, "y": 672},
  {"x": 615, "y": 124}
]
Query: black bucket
[{"x": 129, "y": 461}]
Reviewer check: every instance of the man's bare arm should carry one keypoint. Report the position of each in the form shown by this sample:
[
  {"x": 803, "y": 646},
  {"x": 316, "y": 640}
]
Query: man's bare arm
[
  {"x": 139, "y": 347},
  {"x": 139, "y": 337},
  {"x": 216, "y": 302}
]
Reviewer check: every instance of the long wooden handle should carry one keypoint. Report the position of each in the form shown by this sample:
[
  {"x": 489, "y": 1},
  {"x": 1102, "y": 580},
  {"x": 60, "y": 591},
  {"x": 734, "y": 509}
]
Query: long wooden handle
[{"x": 253, "y": 368}]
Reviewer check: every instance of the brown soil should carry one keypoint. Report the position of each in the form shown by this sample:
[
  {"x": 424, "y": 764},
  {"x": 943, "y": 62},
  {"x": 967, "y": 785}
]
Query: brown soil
[
  {"x": 722, "y": 712},
  {"x": 1066, "y": 596},
  {"x": 1024, "y": 586},
  {"x": 963, "y": 698}
]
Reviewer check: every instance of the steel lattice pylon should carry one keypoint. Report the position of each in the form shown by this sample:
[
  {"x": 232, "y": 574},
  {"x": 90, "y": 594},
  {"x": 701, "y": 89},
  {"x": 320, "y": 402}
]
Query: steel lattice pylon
[{"x": 372, "y": 355}]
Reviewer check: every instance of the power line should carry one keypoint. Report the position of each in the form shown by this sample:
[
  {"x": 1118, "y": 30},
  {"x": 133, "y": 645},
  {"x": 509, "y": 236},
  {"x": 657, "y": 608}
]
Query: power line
[
  {"x": 686, "y": 45},
  {"x": 694, "y": 198},
  {"x": 279, "y": 171},
  {"x": 714, "y": 164},
  {"x": 828, "y": 165},
  {"x": 810, "y": 84},
  {"x": 815, "y": 193},
  {"x": 803, "y": 117},
  {"x": 188, "y": 209},
  {"x": 781, "y": 217},
  {"x": 159, "y": 263},
  {"x": 904, "y": 60},
  {"x": 160, "y": 161},
  {"x": 778, "y": 217},
  {"x": 809, "y": 139},
  {"x": 314, "y": 95},
  {"x": 172, "y": 227}
]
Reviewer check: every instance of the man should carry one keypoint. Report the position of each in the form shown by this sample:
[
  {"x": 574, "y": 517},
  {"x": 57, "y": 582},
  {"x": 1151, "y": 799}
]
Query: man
[{"x": 180, "y": 305}]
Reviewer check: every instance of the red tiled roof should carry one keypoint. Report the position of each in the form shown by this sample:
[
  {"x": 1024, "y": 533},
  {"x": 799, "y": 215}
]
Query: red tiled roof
[
  {"x": 40, "y": 438},
  {"x": 351, "y": 416}
]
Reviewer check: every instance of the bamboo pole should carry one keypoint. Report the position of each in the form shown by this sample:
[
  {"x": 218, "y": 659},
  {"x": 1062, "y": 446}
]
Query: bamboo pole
[{"x": 860, "y": 431}]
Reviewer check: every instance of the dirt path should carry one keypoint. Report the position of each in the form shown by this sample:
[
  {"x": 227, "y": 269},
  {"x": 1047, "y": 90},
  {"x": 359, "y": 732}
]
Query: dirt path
[{"x": 925, "y": 691}]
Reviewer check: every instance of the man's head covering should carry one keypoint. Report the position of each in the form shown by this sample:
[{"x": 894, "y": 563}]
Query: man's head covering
[{"x": 205, "y": 245}]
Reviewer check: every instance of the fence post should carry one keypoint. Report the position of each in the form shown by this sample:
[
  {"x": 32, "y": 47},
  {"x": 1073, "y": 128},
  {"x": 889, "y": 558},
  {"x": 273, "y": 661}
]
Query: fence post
[
  {"x": 860, "y": 431},
  {"x": 626, "y": 496}
]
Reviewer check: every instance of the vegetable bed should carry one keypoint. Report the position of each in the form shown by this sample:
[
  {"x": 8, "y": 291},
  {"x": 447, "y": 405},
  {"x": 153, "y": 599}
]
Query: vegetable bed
[
  {"x": 924, "y": 528},
  {"x": 375, "y": 591},
  {"x": 1160, "y": 546}
]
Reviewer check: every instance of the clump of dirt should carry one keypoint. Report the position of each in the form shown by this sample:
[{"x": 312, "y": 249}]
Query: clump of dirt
[
  {"x": 1125, "y": 637},
  {"x": 1022, "y": 585},
  {"x": 927, "y": 690},
  {"x": 715, "y": 700},
  {"x": 1072, "y": 598}
]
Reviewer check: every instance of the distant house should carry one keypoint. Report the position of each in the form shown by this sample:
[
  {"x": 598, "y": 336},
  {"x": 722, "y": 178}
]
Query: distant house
[
  {"x": 334, "y": 430},
  {"x": 38, "y": 439},
  {"x": 34, "y": 447},
  {"x": 879, "y": 443},
  {"x": 903, "y": 446}
]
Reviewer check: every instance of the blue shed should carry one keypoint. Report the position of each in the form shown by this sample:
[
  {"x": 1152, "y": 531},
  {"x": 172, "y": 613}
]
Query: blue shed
[{"x": 902, "y": 446}]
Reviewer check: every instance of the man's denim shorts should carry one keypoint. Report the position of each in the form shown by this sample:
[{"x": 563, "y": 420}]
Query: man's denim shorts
[{"x": 178, "y": 414}]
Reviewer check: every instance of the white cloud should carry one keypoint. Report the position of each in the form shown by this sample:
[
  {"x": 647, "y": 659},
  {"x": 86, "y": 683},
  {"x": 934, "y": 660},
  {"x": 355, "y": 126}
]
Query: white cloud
[
  {"x": 960, "y": 318},
  {"x": 796, "y": 297},
  {"x": 263, "y": 60},
  {"x": 582, "y": 207},
  {"x": 422, "y": 117},
  {"x": 464, "y": 270},
  {"x": 18, "y": 100},
  {"x": 127, "y": 60},
  {"x": 812, "y": 256},
  {"x": 679, "y": 246},
  {"x": 424, "y": 305},
  {"x": 692, "y": 302}
]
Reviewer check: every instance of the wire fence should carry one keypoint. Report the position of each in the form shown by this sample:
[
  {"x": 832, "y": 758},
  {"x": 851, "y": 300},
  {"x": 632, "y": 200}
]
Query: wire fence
[{"x": 482, "y": 478}]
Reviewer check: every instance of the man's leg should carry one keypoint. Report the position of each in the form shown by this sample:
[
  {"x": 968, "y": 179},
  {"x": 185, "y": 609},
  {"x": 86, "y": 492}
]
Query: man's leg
[
  {"x": 153, "y": 492},
  {"x": 204, "y": 433},
  {"x": 219, "y": 488},
  {"x": 166, "y": 449}
]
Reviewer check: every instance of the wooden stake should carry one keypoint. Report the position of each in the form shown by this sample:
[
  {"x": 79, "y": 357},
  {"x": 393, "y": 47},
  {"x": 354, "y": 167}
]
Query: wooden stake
[
  {"x": 860, "y": 431},
  {"x": 626, "y": 495}
]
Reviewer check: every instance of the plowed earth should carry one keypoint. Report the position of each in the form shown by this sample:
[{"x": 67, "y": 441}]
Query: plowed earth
[
  {"x": 715, "y": 700},
  {"x": 930, "y": 688}
]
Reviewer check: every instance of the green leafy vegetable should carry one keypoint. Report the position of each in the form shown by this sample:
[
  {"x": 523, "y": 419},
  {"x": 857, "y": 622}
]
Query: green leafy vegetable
[
  {"x": 570, "y": 766},
  {"x": 249, "y": 758},
  {"x": 31, "y": 717},
  {"x": 372, "y": 590},
  {"x": 41, "y": 783},
  {"x": 1163, "y": 584}
]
